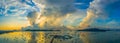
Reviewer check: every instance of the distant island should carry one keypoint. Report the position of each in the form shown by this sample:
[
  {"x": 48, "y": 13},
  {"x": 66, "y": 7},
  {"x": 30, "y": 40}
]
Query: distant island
[
  {"x": 94, "y": 29},
  {"x": 38, "y": 29}
]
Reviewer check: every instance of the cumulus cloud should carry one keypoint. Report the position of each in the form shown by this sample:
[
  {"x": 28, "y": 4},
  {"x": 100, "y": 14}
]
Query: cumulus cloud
[
  {"x": 33, "y": 17},
  {"x": 58, "y": 7},
  {"x": 19, "y": 9},
  {"x": 98, "y": 9},
  {"x": 87, "y": 20},
  {"x": 54, "y": 12},
  {"x": 60, "y": 13}
]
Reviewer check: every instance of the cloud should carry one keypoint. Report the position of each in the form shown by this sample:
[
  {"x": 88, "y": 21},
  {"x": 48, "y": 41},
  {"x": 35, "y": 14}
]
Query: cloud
[
  {"x": 87, "y": 20},
  {"x": 33, "y": 17},
  {"x": 57, "y": 14},
  {"x": 17, "y": 7},
  {"x": 79, "y": 3},
  {"x": 99, "y": 9},
  {"x": 54, "y": 12},
  {"x": 113, "y": 24},
  {"x": 58, "y": 6}
]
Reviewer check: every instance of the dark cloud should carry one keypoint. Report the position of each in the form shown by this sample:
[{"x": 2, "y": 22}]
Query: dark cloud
[
  {"x": 32, "y": 17},
  {"x": 61, "y": 7}
]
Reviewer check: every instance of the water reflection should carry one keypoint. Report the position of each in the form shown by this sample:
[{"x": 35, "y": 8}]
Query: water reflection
[{"x": 60, "y": 37}]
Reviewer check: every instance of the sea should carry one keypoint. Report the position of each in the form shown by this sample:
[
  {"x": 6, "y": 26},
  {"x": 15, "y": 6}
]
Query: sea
[{"x": 60, "y": 37}]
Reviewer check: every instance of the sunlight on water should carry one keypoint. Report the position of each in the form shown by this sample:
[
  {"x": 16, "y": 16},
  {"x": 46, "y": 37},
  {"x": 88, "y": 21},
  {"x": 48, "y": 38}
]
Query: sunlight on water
[{"x": 60, "y": 37}]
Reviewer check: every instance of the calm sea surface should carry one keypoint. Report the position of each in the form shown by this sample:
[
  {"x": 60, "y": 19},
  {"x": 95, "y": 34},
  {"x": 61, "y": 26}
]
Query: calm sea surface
[{"x": 60, "y": 37}]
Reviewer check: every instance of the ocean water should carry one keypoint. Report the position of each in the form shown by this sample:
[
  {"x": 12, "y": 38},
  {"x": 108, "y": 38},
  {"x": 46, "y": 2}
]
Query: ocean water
[{"x": 60, "y": 37}]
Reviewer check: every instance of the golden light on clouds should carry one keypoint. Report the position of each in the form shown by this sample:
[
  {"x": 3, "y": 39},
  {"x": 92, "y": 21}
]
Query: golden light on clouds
[
  {"x": 87, "y": 20},
  {"x": 50, "y": 21}
]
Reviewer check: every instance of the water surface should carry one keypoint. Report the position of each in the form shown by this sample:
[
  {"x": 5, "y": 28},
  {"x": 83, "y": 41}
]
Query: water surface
[{"x": 60, "y": 37}]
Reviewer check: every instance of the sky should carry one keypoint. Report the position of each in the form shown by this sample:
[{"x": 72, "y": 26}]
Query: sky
[{"x": 72, "y": 14}]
